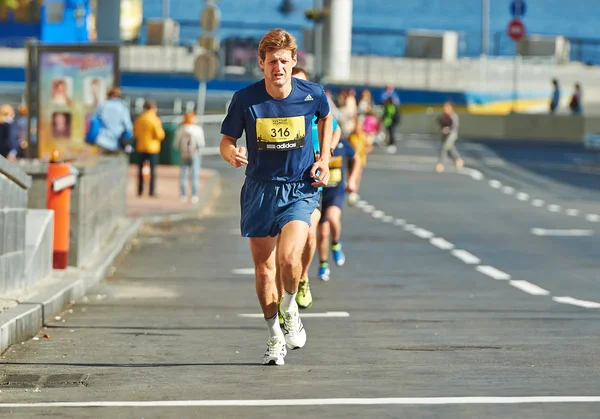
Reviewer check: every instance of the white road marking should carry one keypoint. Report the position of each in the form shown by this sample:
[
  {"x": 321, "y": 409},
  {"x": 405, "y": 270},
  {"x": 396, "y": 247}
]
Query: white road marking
[
  {"x": 537, "y": 202},
  {"x": 561, "y": 233},
  {"x": 361, "y": 203},
  {"x": 508, "y": 190},
  {"x": 522, "y": 196},
  {"x": 553, "y": 208},
  {"x": 466, "y": 257},
  {"x": 387, "y": 219},
  {"x": 493, "y": 272},
  {"x": 378, "y": 214},
  {"x": 496, "y": 184},
  {"x": 528, "y": 287},
  {"x": 576, "y": 302},
  {"x": 441, "y": 243},
  {"x": 422, "y": 233},
  {"x": 475, "y": 174},
  {"x": 399, "y": 222},
  {"x": 243, "y": 271},
  {"x": 422, "y": 401},
  {"x": 368, "y": 208},
  {"x": 304, "y": 314},
  {"x": 410, "y": 227},
  {"x": 572, "y": 212},
  {"x": 593, "y": 218}
]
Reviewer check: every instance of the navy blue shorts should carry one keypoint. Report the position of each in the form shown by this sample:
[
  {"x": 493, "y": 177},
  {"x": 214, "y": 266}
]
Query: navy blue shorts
[
  {"x": 268, "y": 206},
  {"x": 332, "y": 197}
]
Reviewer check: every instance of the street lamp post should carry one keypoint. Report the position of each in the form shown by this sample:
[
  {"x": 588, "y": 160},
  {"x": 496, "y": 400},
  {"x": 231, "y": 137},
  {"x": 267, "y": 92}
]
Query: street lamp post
[{"x": 485, "y": 27}]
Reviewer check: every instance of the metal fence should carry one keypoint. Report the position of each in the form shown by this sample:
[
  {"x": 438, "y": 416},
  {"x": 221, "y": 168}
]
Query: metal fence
[{"x": 13, "y": 220}]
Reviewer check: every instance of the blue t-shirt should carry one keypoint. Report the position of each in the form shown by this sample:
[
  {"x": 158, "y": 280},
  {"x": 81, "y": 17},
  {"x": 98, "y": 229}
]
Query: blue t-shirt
[
  {"x": 278, "y": 131},
  {"x": 336, "y": 182},
  {"x": 315, "y": 134}
]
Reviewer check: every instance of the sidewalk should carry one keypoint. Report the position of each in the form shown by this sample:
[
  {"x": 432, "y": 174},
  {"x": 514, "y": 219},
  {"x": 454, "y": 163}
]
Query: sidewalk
[
  {"x": 23, "y": 317},
  {"x": 167, "y": 199}
]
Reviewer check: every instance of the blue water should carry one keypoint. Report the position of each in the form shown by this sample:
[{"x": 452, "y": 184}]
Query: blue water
[{"x": 574, "y": 18}]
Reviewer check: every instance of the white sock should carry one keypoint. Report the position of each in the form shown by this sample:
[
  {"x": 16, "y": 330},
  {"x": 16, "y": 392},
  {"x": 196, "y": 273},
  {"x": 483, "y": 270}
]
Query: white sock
[
  {"x": 273, "y": 325},
  {"x": 289, "y": 301}
]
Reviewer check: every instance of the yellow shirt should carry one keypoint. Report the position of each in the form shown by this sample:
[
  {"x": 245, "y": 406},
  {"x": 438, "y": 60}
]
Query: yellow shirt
[
  {"x": 359, "y": 144},
  {"x": 148, "y": 132}
]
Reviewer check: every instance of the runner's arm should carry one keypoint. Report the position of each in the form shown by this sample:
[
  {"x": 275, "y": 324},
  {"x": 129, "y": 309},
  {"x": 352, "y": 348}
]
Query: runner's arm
[
  {"x": 325, "y": 127},
  {"x": 337, "y": 135},
  {"x": 235, "y": 156},
  {"x": 354, "y": 173}
]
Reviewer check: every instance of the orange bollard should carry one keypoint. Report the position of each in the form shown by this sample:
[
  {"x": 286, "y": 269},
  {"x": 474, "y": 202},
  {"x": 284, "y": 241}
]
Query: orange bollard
[{"x": 59, "y": 200}]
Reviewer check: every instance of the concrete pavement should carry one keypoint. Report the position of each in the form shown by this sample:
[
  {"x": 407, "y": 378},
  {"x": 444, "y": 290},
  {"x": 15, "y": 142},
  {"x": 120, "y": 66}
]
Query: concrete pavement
[{"x": 422, "y": 322}]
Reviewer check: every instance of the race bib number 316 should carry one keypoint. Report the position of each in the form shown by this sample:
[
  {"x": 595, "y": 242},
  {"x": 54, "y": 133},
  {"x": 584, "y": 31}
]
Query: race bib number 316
[{"x": 280, "y": 134}]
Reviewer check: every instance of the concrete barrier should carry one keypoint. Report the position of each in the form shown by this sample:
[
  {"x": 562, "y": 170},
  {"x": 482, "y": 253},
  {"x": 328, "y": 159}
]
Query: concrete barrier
[
  {"x": 98, "y": 202},
  {"x": 14, "y": 184}
]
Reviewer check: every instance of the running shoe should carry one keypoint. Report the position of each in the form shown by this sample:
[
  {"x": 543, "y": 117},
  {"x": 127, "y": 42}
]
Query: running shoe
[
  {"x": 293, "y": 329},
  {"x": 338, "y": 254},
  {"x": 276, "y": 351},
  {"x": 304, "y": 296},
  {"x": 324, "y": 271}
]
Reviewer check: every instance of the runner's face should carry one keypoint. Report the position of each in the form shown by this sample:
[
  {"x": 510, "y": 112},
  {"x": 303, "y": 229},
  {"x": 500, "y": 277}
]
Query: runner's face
[{"x": 277, "y": 66}]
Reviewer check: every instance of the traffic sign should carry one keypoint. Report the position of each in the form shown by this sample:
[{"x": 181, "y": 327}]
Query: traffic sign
[
  {"x": 515, "y": 29},
  {"x": 210, "y": 18},
  {"x": 518, "y": 8},
  {"x": 206, "y": 66}
]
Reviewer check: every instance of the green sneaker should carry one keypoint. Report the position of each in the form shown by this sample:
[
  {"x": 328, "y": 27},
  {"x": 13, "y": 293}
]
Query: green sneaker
[{"x": 304, "y": 297}]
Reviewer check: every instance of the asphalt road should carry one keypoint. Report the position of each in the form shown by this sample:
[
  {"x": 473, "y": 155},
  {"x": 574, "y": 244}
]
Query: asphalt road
[{"x": 457, "y": 286}]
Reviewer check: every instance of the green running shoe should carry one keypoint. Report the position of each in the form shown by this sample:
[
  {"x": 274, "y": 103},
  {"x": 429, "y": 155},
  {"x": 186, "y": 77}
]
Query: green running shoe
[{"x": 304, "y": 297}]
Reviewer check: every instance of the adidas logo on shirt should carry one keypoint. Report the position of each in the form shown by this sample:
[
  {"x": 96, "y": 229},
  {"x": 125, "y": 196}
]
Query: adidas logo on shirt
[{"x": 307, "y": 98}]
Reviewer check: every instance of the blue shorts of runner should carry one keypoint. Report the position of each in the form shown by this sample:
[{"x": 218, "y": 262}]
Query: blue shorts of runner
[
  {"x": 332, "y": 197},
  {"x": 268, "y": 206}
]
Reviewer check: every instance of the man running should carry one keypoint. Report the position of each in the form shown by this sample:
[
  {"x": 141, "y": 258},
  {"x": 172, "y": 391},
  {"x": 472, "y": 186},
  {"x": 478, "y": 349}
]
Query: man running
[
  {"x": 280, "y": 191},
  {"x": 332, "y": 203}
]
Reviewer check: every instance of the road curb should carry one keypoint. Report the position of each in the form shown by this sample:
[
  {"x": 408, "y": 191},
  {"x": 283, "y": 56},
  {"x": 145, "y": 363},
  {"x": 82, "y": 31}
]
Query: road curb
[{"x": 50, "y": 297}]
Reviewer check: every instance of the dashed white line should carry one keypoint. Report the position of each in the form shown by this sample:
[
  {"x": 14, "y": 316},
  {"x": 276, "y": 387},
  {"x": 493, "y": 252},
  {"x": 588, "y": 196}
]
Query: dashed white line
[
  {"x": 493, "y": 272},
  {"x": 496, "y": 184},
  {"x": 441, "y": 243},
  {"x": 522, "y": 196},
  {"x": 508, "y": 190},
  {"x": 368, "y": 208},
  {"x": 410, "y": 227},
  {"x": 361, "y": 203},
  {"x": 562, "y": 233},
  {"x": 399, "y": 222},
  {"x": 594, "y": 218},
  {"x": 553, "y": 208},
  {"x": 528, "y": 287},
  {"x": 378, "y": 214},
  {"x": 466, "y": 257},
  {"x": 538, "y": 202},
  {"x": 572, "y": 212},
  {"x": 422, "y": 233},
  {"x": 475, "y": 174},
  {"x": 576, "y": 302},
  {"x": 387, "y": 219},
  {"x": 243, "y": 271}
]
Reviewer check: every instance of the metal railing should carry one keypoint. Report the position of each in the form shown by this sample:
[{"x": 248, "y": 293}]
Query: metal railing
[{"x": 13, "y": 219}]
